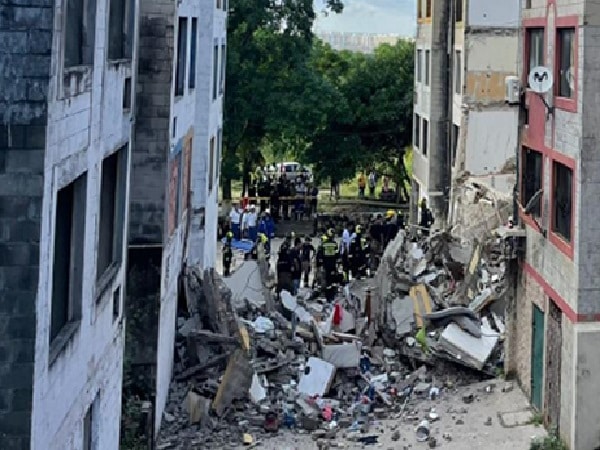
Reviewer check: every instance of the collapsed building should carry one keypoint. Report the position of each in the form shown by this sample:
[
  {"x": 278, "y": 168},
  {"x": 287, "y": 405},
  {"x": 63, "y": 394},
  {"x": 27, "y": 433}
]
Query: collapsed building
[{"x": 248, "y": 362}]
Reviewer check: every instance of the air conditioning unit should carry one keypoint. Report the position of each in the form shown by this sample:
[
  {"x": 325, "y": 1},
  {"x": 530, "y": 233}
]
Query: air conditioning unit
[{"x": 512, "y": 96}]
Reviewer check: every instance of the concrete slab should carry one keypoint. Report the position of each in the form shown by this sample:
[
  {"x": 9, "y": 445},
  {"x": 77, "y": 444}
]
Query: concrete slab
[
  {"x": 342, "y": 356},
  {"x": 403, "y": 310},
  {"x": 516, "y": 418},
  {"x": 469, "y": 349},
  {"x": 317, "y": 377},
  {"x": 245, "y": 284}
]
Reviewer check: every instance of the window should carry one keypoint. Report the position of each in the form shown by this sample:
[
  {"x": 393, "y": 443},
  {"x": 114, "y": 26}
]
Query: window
[
  {"x": 113, "y": 190},
  {"x": 428, "y": 8},
  {"x": 223, "y": 67},
  {"x": 562, "y": 197},
  {"x": 531, "y": 180},
  {"x": 219, "y": 152},
  {"x": 458, "y": 72},
  {"x": 116, "y": 303},
  {"x": 218, "y": 4},
  {"x": 419, "y": 66},
  {"x": 181, "y": 56},
  {"x": 121, "y": 28},
  {"x": 90, "y": 424},
  {"x": 80, "y": 26},
  {"x": 427, "y": 63},
  {"x": 535, "y": 42},
  {"x": 67, "y": 267},
  {"x": 127, "y": 94},
  {"x": 215, "y": 71},
  {"x": 566, "y": 62},
  {"x": 225, "y": 5},
  {"x": 211, "y": 165},
  {"x": 417, "y": 137},
  {"x": 455, "y": 135},
  {"x": 425, "y": 139},
  {"x": 193, "y": 44},
  {"x": 419, "y": 9},
  {"x": 458, "y": 10}
]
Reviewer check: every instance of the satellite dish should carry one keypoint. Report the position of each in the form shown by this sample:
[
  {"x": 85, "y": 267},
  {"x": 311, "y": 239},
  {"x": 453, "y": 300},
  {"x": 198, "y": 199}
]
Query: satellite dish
[{"x": 540, "y": 79}]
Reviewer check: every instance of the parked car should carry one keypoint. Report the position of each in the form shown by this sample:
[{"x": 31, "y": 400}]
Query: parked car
[{"x": 293, "y": 170}]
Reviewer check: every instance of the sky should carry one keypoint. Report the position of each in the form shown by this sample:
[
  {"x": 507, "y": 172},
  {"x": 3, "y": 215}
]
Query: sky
[{"x": 371, "y": 16}]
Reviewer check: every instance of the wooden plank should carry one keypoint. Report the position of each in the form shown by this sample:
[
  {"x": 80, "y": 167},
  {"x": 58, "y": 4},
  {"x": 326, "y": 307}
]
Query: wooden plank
[{"x": 422, "y": 303}]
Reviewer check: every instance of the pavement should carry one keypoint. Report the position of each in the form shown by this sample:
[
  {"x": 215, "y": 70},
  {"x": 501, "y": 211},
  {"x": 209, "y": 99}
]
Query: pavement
[{"x": 493, "y": 421}]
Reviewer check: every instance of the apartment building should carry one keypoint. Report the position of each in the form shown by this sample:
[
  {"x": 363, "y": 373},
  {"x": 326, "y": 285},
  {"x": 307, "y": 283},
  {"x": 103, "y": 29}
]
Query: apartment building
[
  {"x": 175, "y": 173},
  {"x": 65, "y": 134},
  {"x": 431, "y": 173},
  {"x": 465, "y": 51},
  {"x": 557, "y": 316}
]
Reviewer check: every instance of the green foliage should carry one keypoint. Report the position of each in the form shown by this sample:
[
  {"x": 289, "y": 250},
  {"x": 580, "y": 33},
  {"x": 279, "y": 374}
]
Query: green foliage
[
  {"x": 550, "y": 442},
  {"x": 294, "y": 96}
]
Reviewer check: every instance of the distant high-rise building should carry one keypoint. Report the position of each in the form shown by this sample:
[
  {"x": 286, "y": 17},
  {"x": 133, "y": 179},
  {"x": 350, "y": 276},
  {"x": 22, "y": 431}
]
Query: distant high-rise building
[{"x": 357, "y": 42}]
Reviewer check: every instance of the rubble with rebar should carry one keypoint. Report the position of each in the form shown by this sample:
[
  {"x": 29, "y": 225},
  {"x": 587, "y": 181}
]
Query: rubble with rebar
[{"x": 248, "y": 364}]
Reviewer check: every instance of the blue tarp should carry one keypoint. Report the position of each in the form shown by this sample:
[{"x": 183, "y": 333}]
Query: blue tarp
[{"x": 245, "y": 244}]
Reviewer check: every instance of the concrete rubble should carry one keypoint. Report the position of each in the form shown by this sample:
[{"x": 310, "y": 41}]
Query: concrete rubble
[{"x": 248, "y": 365}]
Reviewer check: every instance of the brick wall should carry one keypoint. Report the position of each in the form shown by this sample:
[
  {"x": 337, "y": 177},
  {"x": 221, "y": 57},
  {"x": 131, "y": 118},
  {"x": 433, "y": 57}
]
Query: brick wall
[
  {"x": 25, "y": 37},
  {"x": 152, "y": 130}
]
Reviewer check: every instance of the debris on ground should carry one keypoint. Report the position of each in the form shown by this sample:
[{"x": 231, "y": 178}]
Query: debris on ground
[{"x": 247, "y": 365}]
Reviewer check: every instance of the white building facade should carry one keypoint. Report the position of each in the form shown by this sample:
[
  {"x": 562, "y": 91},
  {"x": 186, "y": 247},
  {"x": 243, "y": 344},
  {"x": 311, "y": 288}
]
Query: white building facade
[{"x": 79, "y": 322}]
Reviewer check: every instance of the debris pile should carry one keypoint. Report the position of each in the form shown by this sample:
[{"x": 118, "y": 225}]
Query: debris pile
[{"x": 248, "y": 364}]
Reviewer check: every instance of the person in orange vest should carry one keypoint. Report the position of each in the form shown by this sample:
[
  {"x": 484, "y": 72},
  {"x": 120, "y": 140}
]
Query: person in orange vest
[{"x": 362, "y": 184}]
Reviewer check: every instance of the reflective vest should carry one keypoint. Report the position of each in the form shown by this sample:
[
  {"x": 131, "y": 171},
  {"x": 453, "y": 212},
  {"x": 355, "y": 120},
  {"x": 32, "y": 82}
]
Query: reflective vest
[{"x": 330, "y": 249}]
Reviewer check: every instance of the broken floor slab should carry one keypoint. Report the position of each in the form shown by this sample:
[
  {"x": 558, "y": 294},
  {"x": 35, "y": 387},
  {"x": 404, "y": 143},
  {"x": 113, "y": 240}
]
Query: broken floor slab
[
  {"x": 316, "y": 377},
  {"x": 342, "y": 356},
  {"x": 246, "y": 285},
  {"x": 472, "y": 351}
]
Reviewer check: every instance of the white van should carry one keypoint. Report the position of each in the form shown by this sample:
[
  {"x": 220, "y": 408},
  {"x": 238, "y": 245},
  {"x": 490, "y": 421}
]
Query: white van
[{"x": 293, "y": 169}]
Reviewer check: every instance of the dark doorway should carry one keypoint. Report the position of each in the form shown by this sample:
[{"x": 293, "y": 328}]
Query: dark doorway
[
  {"x": 553, "y": 367},
  {"x": 537, "y": 357}
]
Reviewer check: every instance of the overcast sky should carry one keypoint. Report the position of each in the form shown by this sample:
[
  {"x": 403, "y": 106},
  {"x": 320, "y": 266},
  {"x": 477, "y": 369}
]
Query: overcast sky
[{"x": 371, "y": 16}]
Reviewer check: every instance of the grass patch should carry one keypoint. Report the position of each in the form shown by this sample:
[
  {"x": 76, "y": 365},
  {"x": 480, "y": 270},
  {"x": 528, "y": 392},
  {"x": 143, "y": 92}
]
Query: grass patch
[
  {"x": 537, "y": 419},
  {"x": 551, "y": 442}
]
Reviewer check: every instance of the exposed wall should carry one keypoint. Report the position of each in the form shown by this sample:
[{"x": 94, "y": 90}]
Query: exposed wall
[
  {"x": 491, "y": 140},
  {"x": 25, "y": 36},
  {"x": 153, "y": 124},
  {"x": 85, "y": 125},
  {"x": 491, "y": 13},
  {"x": 587, "y": 413}
]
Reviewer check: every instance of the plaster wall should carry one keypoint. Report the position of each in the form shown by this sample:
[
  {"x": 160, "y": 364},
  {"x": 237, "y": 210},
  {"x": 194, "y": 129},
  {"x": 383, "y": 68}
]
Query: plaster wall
[{"x": 83, "y": 129}]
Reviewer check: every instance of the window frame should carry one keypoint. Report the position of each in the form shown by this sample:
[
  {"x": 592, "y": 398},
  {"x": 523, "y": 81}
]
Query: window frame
[
  {"x": 529, "y": 32},
  {"x": 522, "y": 182},
  {"x": 563, "y": 243},
  {"x": 566, "y": 103},
  {"x": 223, "y": 67},
  {"x": 427, "y": 67},
  {"x": 458, "y": 84},
  {"x": 193, "y": 50},
  {"x": 425, "y": 133},
  {"x": 561, "y": 32},
  {"x": 215, "y": 71},
  {"x": 181, "y": 57},
  {"x": 417, "y": 131},
  {"x": 76, "y": 191},
  {"x": 419, "y": 65},
  {"x": 458, "y": 11},
  {"x": 106, "y": 274}
]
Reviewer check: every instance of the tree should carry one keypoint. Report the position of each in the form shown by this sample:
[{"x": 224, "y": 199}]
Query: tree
[
  {"x": 373, "y": 122},
  {"x": 269, "y": 44}
]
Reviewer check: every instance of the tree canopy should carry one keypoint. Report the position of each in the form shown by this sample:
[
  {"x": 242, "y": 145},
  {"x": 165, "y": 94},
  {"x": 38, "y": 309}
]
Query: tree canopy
[{"x": 288, "y": 91}]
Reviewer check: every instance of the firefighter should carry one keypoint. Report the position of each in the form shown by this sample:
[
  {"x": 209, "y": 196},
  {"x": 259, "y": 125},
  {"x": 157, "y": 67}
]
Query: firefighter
[
  {"x": 390, "y": 227},
  {"x": 284, "y": 270},
  {"x": 227, "y": 254},
  {"x": 319, "y": 260},
  {"x": 307, "y": 253},
  {"x": 400, "y": 224},
  {"x": 330, "y": 259},
  {"x": 426, "y": 218},
  {"x": 356, "y": 253}
]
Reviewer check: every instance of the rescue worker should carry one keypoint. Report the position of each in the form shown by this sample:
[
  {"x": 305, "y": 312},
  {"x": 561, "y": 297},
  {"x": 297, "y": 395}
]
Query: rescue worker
[
  {"x": 356, "y": 253},
  {"x": 284, "y": 270},
  {"x": 426, "y": 218},
  {"x": 390, "y": 227},
  {"x": 307, "y": 253},
  {"x": 227, "y": 254},
  {"x": 296, "y": 264},
  {"x": 330, "y": 259},
  {"x": 319, "y": 260},
  {"x": 400, "y": 224}
]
